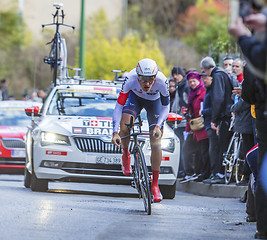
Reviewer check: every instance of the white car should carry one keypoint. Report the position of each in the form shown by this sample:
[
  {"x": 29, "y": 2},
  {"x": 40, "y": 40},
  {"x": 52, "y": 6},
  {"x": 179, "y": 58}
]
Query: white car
[{"x": 70, "y": 140}]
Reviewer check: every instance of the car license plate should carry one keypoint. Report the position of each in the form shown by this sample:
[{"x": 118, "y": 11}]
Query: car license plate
[
  {"x": 108, "y": 160},
  {"x": 18, "y": 153}
]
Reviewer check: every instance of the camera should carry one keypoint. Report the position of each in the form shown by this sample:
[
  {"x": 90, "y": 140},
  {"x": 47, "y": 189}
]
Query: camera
[{"x": 243, "y": 8}]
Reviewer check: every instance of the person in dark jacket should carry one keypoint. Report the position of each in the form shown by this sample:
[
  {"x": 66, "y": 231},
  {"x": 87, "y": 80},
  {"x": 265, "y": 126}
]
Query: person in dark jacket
[
  {"x": 182, "y": 89},
  {"x": 213, "y": 138},
  {"x": 172, "y": 90},
  {"x": 179, "y": 102},
  {"x": 255, "y": 52},
  {"x": 197, "y": 140},
  {"x": 221, "y": 98},
  {"x": 4, "y": 90},
  {"x": 243, "y": 124}
]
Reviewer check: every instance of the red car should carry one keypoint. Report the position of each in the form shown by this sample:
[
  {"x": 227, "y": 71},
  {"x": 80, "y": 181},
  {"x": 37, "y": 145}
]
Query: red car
[{"x": 13, "y": 128}]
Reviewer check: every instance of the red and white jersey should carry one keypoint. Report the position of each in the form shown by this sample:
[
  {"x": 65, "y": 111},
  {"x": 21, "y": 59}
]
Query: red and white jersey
[{"x": 131, "y": 83}]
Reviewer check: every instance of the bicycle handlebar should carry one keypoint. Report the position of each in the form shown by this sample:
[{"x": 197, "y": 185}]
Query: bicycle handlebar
[
  {"x": 137, "y": 134},
  {"x": 56, "y": 17},
  {"x": 139, "y": 123}
]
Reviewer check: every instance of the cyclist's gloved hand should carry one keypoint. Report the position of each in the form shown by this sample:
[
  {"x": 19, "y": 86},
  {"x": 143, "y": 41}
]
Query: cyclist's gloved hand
[
  {"x": 157, "y": 132},
  {"x": 116, "y": 139}
]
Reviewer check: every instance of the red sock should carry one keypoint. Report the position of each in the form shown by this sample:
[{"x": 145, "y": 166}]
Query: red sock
[
  {"x": 155, "y": 178},
  {"x": 125, "y": 151}
]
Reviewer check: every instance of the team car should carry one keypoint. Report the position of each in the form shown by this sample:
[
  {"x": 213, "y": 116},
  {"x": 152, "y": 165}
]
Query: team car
[
  {"x": 13, "y": 128},
  {"x": 70, "y": 140}
]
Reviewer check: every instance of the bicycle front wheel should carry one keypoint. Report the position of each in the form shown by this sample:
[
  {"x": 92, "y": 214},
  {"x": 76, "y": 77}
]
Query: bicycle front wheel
[
  {"x": 228, "y": 161},
  {"x": 239, "y": 163},
  {"x": 143, "y": 179}
]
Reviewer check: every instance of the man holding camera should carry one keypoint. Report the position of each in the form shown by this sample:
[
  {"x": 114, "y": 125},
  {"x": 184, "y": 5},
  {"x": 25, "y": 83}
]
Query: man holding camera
[{"x": 255, "y": 53}]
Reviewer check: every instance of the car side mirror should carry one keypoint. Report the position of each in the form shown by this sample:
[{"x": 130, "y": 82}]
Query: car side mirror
[
  {"x": 33, "y": 111},
  {"x": 173, "y": 119}
]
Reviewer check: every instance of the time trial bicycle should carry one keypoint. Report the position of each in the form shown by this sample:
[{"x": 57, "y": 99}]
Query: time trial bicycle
[{"x": 141, "y": 178}]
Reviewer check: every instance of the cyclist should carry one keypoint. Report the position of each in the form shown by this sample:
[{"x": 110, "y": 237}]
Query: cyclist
[{"x": 143, "y": 87}]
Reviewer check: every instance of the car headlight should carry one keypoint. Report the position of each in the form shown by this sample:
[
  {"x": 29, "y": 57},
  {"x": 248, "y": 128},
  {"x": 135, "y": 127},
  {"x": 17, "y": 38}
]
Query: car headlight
[
  {"x": 167, "y": 144},
  {"x": 48, "y": 138}
]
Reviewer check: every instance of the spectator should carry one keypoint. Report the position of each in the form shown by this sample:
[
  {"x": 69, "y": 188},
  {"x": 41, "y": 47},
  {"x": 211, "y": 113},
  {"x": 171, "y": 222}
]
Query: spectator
[
  {"x": 228, "y": 62},
  {"x": 243, "y": 119},
  {"x": 11, "y": 98},
  {"x": 221, "y": 101},
  {"x": 1, "y": 97},
  {"x": 251, "y": 158},
  {"x": 179, "y": 102},
  {"x": 213, "y": 138},
  {"x": 255, "y": 53},
  {"x": 4, "y": 84},
  {"x": 25, "y": 97},
  {"x": 42, "y": 94},
  {"x": 228, "y": 67},
  {"x": 177, "y": 74},
  {"x": 171, "y": 91},
  {"x": 238, "y": 69},
  {"x": 34, "y": 97},
  {"x": 243, "y": 124},
  {"x": 196, "y": 140}
]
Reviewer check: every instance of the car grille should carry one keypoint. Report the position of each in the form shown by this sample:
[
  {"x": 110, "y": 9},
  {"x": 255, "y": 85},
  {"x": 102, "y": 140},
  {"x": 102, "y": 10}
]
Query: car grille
[
  {"x": 94, "y": 169},
  {"x": 12, "y": 161},
  {"x": 13, "y": 143},
  {"x": 98, "y": 145}
]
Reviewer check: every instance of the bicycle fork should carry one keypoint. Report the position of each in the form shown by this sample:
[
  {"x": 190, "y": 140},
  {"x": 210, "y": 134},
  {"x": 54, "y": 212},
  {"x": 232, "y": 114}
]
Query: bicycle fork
[{"x": 136, "y": 177}]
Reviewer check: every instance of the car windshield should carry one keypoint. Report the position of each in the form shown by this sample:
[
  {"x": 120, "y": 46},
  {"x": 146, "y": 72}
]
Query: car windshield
[
  {"x": 13, "y": 117},
  {"x": 82, "y": 104},
  {"x": 79, "y": 103}
]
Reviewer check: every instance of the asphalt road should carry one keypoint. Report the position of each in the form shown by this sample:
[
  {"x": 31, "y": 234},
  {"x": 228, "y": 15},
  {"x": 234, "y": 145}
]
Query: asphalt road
[{"x": 91, "y": 211}]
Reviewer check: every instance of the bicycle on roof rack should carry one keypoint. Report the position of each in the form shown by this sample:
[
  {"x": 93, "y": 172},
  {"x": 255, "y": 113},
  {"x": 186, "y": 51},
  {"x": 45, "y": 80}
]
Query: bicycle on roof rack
[
  {"x": 141, "y": 179},
  {"x": 58, "y": 53}
]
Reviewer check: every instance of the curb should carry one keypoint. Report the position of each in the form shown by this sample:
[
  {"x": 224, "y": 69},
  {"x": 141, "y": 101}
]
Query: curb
[{"x": 212, "y": 190}]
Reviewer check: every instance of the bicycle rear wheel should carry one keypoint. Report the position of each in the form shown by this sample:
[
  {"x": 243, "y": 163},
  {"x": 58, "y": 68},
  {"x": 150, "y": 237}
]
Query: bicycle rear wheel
[{"x": 143, "y": 179}]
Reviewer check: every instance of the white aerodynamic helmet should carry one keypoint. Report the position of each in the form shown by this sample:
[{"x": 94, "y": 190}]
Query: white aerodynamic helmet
[{"x": 147, "y": 67}]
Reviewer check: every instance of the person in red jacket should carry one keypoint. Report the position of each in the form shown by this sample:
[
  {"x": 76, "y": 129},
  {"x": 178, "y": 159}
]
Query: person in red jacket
[{"x": 197, "y": 142}]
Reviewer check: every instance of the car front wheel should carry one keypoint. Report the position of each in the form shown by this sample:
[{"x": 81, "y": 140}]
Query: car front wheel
[
  {"x": 168, "y": 191},
  {"x": 27, "y": 178},
  {"x": 38, "y": 185}
]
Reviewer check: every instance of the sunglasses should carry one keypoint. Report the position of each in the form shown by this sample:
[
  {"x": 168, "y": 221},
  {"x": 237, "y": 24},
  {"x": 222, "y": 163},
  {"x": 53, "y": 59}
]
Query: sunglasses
[{"x": 147, "y": 79}]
